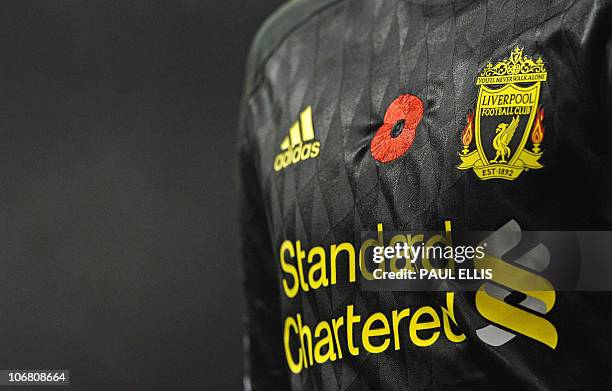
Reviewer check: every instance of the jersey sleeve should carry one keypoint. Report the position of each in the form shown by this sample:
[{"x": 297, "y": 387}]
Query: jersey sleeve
[
  {"x": 263, "y": 362},
  {"x": 265, "y": 365},
  {"x": 607, "y": 107},
  {"x": 600, "y": 50}
]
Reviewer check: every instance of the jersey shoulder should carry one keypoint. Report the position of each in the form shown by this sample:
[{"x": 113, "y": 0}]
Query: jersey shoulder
[{"x": 275, "y": 29}]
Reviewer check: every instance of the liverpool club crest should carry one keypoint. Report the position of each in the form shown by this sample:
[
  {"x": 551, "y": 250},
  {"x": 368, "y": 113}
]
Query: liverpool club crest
[{"x": 507, "y": 118}]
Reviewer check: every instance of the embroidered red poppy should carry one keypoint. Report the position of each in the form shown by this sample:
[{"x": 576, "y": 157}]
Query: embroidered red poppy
[{"x": 396, "y": 134}]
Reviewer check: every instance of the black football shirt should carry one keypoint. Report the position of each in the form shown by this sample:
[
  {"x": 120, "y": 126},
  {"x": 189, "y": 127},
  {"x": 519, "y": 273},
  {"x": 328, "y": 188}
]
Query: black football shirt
[{"x": 409, "y": 115}]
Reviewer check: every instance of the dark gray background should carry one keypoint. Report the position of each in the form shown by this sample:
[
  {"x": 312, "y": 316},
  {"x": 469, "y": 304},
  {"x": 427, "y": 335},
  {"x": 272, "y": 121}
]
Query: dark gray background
[{"x": 118, "y": 256}]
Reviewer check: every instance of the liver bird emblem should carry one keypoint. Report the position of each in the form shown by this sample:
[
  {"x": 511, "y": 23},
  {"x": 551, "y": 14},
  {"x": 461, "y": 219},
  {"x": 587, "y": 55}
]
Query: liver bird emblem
[{"x": 504, "y": 134}]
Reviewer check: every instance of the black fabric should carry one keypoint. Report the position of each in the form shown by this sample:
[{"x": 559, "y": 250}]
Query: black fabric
[{"x": 348, "y": 60}]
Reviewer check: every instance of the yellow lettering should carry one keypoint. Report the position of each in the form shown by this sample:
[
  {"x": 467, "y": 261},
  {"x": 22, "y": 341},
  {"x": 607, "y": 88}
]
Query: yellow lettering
[
  {"x": 416, "y": 326},
  {"x": 369, "y": 332},
  {"x": 290, "y": 291}
]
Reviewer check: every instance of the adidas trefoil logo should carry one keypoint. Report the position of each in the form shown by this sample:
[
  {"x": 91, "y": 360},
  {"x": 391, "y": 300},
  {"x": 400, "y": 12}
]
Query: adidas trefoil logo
[{"x": 300, "y": 145}]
